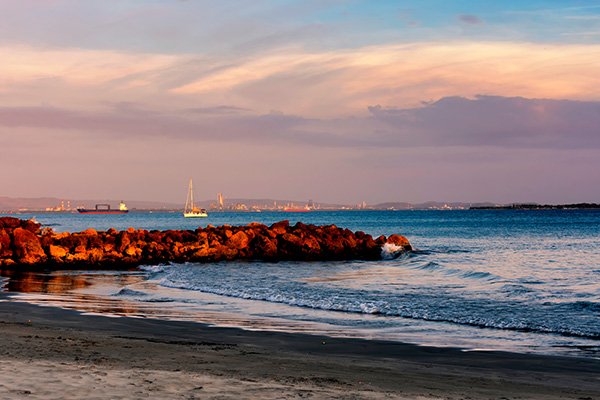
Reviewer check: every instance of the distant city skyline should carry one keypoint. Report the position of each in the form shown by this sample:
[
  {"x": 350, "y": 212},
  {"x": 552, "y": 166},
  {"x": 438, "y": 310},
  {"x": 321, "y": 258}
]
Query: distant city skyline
[
  {"x": 338, "y": 101},
  {"x": 51, "y": 205}
]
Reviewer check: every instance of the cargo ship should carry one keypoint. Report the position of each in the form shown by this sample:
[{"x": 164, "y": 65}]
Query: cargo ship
[{"x": 104, "y": 209}]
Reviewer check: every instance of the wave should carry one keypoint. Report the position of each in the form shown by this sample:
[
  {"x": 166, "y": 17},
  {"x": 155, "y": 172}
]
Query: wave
[
  {"x": 456, "y": 312},
  {"x": 516, "y": 290},
  {"x": 130, "y": 292},
  {"x": 419, "y": 251},
  {"x": 478, "y": 275},
  {"x": 582, "y": 306},
  {"x": 155, "y": 269},
  {"x": 437, "y": 267},
  {"x": 3, "y": 283},
  {"x": 391, "y": 251},
  {"x": 143, "y": 297},
  {"x": 516, "y": 326},
  {"x": 431, "y": 266}
]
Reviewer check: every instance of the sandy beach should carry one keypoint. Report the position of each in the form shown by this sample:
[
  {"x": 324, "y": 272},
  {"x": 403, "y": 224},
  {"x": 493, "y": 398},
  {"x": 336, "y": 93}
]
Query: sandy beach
[{"x": 50, "y": 353}]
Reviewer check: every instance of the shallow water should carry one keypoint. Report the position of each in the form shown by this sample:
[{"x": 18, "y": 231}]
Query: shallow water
[{"x": 526, "y": 281}]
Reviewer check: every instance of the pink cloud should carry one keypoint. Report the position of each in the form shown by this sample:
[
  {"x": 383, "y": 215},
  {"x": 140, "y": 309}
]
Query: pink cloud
[{"x": 508, "y": 122}]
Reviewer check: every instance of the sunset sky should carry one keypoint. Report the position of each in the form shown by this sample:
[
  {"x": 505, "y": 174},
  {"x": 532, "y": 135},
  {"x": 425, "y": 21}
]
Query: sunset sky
[{"x": 335, "y": 101}]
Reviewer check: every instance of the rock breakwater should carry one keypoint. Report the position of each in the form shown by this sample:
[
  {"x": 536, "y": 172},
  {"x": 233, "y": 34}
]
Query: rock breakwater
[{"x": 25, "y": 244}]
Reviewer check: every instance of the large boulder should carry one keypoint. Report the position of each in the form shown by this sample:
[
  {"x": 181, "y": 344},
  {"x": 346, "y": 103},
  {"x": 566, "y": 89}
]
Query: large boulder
[
  {"x": 239, "y": 240},
  {"x": 28, "y": 248},
  {"x": 31, "y": 226},
  {"x": 265, "y": 248},
  {"x": 280, "y": 227},
  {"x": 399, "y": 240},
  {"x": 10, "y": 223},
  {"x": 57, "y": 253},
  {"x": 5, "y": 241}
]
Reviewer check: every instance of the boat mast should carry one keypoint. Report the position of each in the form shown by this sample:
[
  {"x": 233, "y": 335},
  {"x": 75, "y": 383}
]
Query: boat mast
[
  {"x": 191, "y": 195},
  {"x": 187, "y": 198}
]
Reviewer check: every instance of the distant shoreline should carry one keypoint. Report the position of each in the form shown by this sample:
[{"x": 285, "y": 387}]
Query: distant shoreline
[{"x": 578, "y": 206}]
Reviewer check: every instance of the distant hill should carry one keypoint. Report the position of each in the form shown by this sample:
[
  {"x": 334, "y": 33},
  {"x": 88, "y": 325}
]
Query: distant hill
[{"x": 535, "y": 206}]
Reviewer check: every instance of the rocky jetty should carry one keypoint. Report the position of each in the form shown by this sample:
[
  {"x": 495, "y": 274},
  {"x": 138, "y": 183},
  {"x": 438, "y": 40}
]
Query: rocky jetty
[{"x": 25, "y": 244}]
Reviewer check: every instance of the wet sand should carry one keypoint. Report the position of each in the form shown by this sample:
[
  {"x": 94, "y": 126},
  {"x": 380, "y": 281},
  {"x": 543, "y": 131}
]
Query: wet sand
[{"x": 50, "y": 353}]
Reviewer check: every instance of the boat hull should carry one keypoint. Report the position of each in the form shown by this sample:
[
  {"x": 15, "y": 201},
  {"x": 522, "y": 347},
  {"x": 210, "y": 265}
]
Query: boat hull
[
  {"x": 195, "y": 215},
  {"x": 83, "y": 211}
]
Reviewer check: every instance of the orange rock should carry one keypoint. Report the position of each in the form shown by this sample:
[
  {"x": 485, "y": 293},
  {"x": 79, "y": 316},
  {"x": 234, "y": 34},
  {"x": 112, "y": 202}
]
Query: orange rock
[
  {"x": 124, "y": 241},
  {"x": 291, "y": 240},
  {"x": 31, "y": 226},
  {"x": 10, "y": 222},
  {"x": 227, "y": 253},
  {"x": 399, "y": 240},
  {"x": 28, "y": 247},
  {"x": 265, "y": 247},
  {"x": 132, "y": 251},
  {"x": 202, "y": 236},
  {"x": 238, "y": 241},
  {"x": 280, "y": 227},
  {"x": 381, "y": 240},
  {"x": 311, "y": 245},
  {"x": 7, "y": 262},
  {"x": 257, "y": 225},
  {"x": 57, "y": 252},
  {"x": 108, "y": 247},
  {"x": 95, "y": 256},
  {"x": 5, "y": 241}
]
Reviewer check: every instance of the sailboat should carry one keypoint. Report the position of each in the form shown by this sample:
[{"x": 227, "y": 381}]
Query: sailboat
[{"x": 191, "y": 211}]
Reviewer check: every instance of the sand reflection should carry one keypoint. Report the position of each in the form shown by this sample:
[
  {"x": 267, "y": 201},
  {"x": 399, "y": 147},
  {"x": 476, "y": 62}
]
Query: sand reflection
[
  {"x": 80, "y": 290},
  {"x": 59, "y": 282}
]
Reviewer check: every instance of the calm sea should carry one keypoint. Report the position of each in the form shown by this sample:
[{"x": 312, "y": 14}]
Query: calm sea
[{"x": 524, "y": 281}]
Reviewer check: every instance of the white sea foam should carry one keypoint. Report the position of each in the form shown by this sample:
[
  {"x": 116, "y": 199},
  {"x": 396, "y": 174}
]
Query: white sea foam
[
  {"x": 3, "y": 283},
  {"x": 155, "y": 269},
  {"x": 130, "y": 293},
  {"x": 390, "y": 251}
]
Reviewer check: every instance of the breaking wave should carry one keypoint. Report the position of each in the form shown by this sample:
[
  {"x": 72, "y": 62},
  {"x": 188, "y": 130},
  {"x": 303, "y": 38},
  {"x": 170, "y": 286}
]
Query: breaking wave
[{"x": 509, "y": 315}]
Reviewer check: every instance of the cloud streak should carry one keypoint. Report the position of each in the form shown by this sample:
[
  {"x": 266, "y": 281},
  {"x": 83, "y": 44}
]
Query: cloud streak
[{"x": 326, "y": 84}]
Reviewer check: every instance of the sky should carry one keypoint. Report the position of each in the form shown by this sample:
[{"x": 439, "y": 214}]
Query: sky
[{"x": 335, "y": 101}]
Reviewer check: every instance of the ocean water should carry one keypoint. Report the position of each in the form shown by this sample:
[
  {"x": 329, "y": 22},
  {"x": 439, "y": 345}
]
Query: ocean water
[{"x": 525, "y": 281}]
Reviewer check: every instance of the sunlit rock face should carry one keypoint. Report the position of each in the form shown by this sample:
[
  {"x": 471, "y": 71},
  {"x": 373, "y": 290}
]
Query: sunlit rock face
[{"x": 23, "y": 243}]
